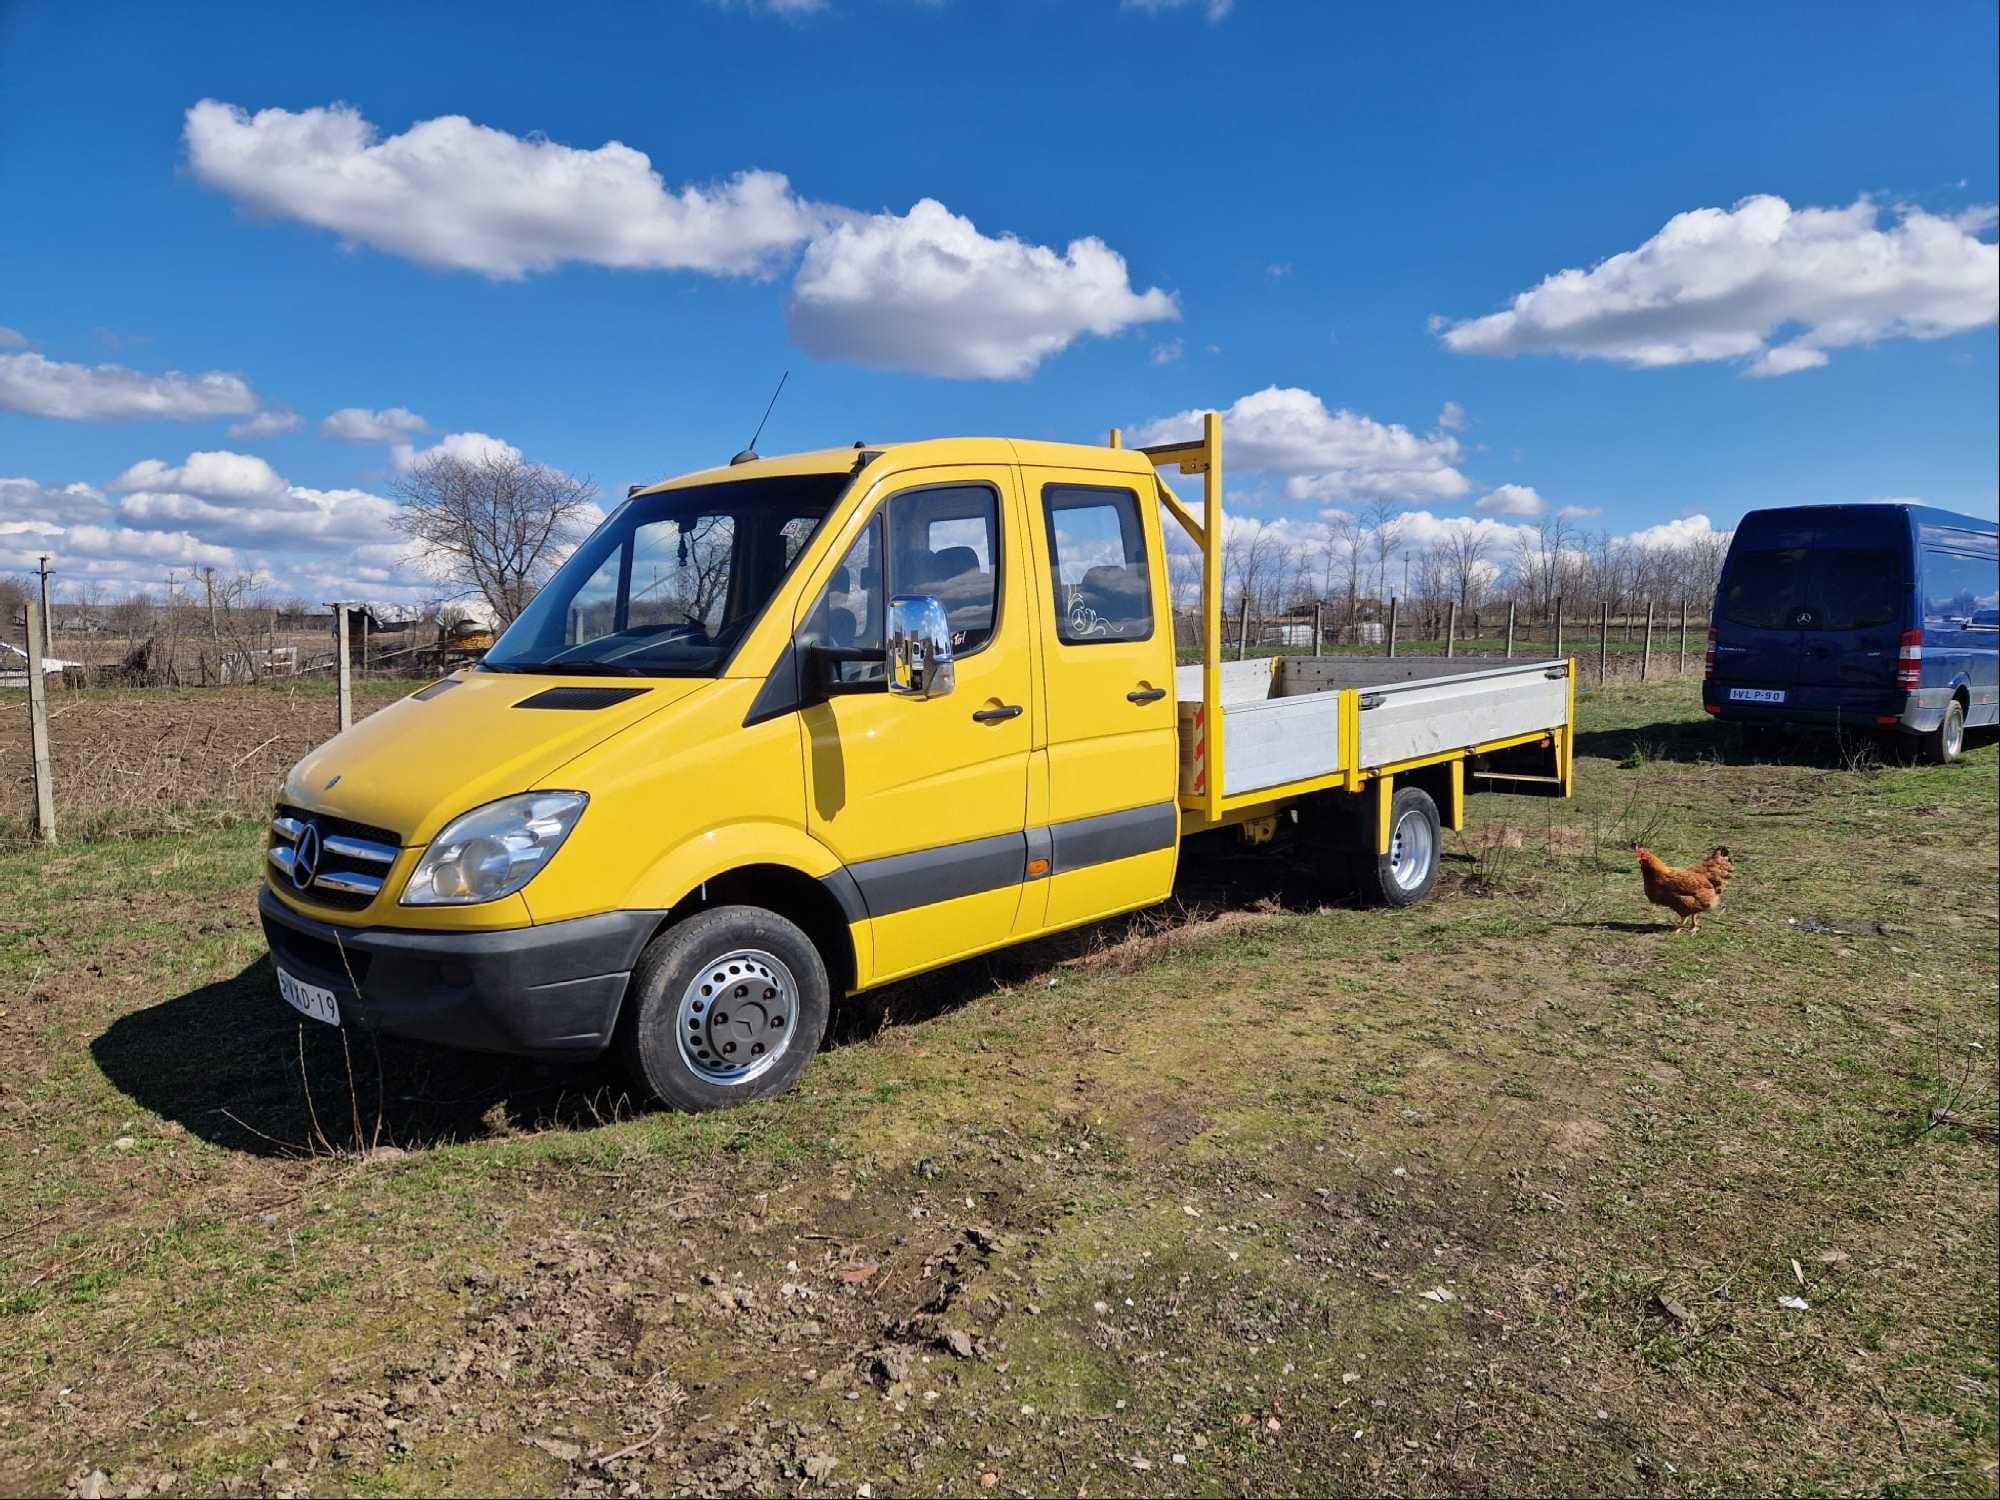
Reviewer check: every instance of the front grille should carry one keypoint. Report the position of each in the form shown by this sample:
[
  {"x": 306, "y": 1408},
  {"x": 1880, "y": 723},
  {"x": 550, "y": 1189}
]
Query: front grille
[{"x": 353, "y": 859}]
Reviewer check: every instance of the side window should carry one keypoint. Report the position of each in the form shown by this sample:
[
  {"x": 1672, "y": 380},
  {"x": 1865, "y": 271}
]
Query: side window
[
  {"x": 848, "y": 613},
  {"x": 1960, "y": 591},
  {"x": 945, "y": 542},
  {"x": 1097, "y": 547}
]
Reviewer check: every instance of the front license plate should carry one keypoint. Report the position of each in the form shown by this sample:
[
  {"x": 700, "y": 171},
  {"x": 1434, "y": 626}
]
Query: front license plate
[
  {"x": 309, "y": 999},
  {"x": 1756, "y": 695}
]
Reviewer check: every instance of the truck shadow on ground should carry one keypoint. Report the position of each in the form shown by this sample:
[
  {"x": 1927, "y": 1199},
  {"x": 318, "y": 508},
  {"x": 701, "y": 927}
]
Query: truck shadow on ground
[{"x": 230, "y": 1063}]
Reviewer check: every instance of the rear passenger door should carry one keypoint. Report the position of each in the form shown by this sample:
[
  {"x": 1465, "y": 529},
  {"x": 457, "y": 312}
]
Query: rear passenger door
[
  {"x": 924, "y": 802},
  {"x": 1112, "y": 825}
]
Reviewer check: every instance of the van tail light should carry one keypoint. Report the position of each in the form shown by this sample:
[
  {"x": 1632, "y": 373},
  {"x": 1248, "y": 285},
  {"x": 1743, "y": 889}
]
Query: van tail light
[
  {"x": 1708, "y": 658},
  {"x": 1910, "y": 660}
]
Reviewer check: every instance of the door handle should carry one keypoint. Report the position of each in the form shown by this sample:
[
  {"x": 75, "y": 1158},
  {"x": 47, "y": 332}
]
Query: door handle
[
  {"x": 1145, "y": 695},
  {"x": 995, "y": 715}
]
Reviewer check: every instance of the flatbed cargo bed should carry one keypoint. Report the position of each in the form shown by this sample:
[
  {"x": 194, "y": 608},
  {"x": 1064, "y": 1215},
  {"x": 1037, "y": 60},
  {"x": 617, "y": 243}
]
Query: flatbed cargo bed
[{"x": 1295, "y": 719}]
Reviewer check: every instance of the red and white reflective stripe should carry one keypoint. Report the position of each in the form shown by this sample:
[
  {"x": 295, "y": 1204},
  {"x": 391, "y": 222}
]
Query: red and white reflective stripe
[
  {"x": 1910, "y": 660},
  {"x": 1708, "y": 658}
]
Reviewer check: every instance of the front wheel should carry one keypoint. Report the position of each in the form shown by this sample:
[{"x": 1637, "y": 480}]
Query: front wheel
[
  {"x": 1405, "y": 875},
  {"x": 725, "y": 1007},
  {"x": 1944, "y": 744}
]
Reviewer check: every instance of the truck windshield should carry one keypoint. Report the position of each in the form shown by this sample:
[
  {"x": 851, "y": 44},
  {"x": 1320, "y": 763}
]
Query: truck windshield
[{"x": 670, "y": 583}]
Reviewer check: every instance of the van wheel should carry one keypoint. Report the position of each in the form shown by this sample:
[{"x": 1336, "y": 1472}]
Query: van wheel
[
  {"x": 1946, "y": 743},
  {"x": 725, "y": 1007},
  {"x": 1405, "y": 875}
]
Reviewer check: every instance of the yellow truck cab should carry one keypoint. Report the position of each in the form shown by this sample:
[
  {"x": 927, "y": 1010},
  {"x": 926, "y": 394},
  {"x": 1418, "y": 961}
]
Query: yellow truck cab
[{"x": 800, "y": 726}]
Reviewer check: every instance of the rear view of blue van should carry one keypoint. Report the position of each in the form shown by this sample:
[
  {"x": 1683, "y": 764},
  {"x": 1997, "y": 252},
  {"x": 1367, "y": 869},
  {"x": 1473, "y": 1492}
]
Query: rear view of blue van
[{"x": 1862, "y": 617}]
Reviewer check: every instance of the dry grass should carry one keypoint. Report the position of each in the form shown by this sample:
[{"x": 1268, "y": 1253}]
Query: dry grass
[{"x": 1182, "y": 1185}]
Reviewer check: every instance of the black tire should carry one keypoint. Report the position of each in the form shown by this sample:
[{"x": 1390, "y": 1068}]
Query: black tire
[
  {"x": 669, "y": 991},
  {"x": 1415, "y": 848},
  {"x": 1946, "y": 743}
]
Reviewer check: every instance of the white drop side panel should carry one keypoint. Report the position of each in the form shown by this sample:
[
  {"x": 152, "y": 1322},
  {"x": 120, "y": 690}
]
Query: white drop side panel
[
  {"x": 1279, "y": 740},
  {"x": 1429, "y": 718}
]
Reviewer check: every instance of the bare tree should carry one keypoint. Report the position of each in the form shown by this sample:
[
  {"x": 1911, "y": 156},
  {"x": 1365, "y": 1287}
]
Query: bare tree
[
  {"x": 496, "y": 525},
  {"x": 1353, "y": 540},
  {"x": 1251, "y": 556},
  {"x": 15, "y": 592},
  {"x": 1385, "y": 535},
  {"x": 1542, "y": 560},
  {"x": 1466, "y": 553}
]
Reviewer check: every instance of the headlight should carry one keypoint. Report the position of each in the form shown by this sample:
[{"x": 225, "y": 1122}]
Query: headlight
[{"x": 494, "y": 850}]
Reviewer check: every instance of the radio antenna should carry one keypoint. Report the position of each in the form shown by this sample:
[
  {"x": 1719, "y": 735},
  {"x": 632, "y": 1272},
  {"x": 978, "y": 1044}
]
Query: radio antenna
[{"x": 749, "y": 454}]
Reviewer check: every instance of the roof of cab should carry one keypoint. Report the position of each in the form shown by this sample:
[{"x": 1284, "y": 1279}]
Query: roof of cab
[{"x": 927, "y": 453}]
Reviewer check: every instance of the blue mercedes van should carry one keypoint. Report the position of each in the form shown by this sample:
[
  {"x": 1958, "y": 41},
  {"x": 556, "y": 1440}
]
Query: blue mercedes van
[{"x": 1863, "y": 617}]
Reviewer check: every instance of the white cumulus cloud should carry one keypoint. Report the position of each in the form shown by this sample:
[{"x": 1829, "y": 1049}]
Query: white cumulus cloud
[
  {"x": 229, "y": 511},
  {"x": 267, "y": 424},
  {"x": 12, "y": 338},
  {"x": 110, "y": 393},
  {"x": 1324, "y": 455},
  {"x": 460, "y": 196},
  {"x": 927, "y": 292},
  {"x": 357, "y": 424},
  {"x": 1671, "y": 535},
  {"x": 1215, "y": 10},
  {"x": 468, "y": 447},
  {"x": 1511, "y": 500},
  {"x": 238, "y": 477},
  {"x": 1764, "y": 283}
]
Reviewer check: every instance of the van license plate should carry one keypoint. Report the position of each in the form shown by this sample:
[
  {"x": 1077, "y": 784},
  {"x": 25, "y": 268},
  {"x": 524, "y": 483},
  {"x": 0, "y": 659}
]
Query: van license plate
[
  {"x": 309, "y": 999},
  {"x": 1756, "y": 695}
]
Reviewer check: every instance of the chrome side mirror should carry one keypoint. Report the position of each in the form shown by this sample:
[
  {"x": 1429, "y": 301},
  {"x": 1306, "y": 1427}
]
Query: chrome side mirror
[{"x": 919, "y": 648}]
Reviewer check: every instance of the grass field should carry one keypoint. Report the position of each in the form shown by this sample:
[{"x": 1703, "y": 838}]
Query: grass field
[{"x": 1254, "y": 1194}]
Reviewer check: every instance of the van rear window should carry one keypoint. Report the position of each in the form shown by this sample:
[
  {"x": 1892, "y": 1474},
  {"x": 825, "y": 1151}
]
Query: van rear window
[
  {"x": 1762, "y": 588},
  {"x": 1813, "y": 588}
]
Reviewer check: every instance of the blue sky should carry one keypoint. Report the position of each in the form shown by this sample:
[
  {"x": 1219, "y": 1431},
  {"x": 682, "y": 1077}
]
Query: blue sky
[{"x": 1316, "y": 198}]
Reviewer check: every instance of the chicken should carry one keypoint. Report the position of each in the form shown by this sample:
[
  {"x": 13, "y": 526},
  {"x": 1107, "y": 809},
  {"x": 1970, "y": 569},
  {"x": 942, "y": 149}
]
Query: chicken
[{"x": 1686, "y": 892}]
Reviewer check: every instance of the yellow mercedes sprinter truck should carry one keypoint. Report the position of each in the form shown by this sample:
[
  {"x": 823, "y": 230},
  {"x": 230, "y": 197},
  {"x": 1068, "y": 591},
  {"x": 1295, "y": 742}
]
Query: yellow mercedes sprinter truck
[{"x": 799, "y": 726}]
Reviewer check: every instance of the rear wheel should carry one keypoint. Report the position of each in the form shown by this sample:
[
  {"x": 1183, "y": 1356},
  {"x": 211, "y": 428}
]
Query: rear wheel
[
  {"x": 1404, "y": 875},
  {"x": 1946, "y": 743},
  {"x": 725, "y": 1007}
]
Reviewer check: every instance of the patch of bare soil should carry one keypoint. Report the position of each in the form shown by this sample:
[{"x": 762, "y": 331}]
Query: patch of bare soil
[{"x": 162, "y": 759}]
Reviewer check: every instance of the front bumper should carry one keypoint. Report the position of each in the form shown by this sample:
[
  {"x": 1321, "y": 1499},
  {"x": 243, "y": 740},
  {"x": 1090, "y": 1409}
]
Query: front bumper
[
  {"x": 551, "y": 991},
  {"x": 1915, "y": 711}
]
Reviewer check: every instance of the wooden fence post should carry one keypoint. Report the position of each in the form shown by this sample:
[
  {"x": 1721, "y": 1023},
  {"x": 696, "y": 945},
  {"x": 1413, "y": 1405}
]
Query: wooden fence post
[
  {"x": 1510, "y": 629},
  {"x": 1316, "y": 631},
  {"x": 1681, "y": 668},
  {"x": 1243, "y": 630},
  {"x": 1451, "y": 629},
  {"x": 1603, "y": 642},
  {"x": 38, "y": 730},
  {"x": 1559, "y": 625},
  {"x": 1646, "y": 661},
  {"x": 1392, "y": 625},
  {"x": 342, "y": 667}
]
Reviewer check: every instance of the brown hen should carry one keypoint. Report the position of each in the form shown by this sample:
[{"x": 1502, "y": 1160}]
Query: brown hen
[{"x": 1688, "y": 891}]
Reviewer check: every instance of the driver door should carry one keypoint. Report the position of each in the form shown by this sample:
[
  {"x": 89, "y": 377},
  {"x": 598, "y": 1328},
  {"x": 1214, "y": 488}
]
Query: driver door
[{"x": 925, "y": 802}]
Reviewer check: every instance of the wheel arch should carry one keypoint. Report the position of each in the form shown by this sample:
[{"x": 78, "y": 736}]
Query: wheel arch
[{"x": 791, "y": 893}]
